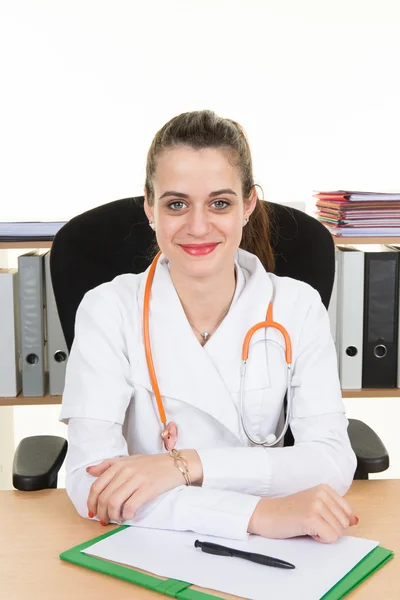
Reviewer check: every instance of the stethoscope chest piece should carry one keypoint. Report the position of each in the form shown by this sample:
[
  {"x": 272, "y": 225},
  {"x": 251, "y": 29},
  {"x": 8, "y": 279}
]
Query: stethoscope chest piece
[{"x": 169, "y": 435}]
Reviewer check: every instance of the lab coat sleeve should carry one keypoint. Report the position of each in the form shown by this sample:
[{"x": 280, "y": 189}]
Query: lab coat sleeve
[
  {"x": 322, "y": 452},
  {"x": 207, "y": 511},
  {"x": 97, "y": 393},
  {"x": 98, "y": 380}
]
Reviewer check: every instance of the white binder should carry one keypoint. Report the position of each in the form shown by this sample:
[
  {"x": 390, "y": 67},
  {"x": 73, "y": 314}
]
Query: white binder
[
  {"x": 31, "y": 302},
  {"x": 10, "y": 352},
  {"x": 332, "y": 308},
  {"x": 57, "y": 352},
  {"x": 350, "y": 316}
]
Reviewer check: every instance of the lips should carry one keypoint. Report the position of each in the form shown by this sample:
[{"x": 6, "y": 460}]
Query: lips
[{"x": 198, "y": 249}]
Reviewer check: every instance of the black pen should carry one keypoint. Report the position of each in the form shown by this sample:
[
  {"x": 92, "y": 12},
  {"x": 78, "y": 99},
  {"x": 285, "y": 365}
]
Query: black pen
[{"x": 269, "y": 561}]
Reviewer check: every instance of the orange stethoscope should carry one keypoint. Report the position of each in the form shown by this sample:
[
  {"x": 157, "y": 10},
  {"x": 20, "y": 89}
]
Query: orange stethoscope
[{"x": 170, "y": 430}]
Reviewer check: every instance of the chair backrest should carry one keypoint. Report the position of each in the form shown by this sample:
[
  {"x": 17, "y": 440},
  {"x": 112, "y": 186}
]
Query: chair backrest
[{"x": 115, "y": 238}]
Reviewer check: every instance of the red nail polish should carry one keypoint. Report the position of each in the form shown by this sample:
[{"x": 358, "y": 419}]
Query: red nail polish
[
  {"x": 90, "y": 515},
  {"x": 357, "y": 520},
  {"x": 102, "y": 523}
]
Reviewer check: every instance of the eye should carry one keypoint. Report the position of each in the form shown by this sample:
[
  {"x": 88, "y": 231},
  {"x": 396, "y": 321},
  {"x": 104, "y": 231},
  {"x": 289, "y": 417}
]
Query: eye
[
  {"x": 177, "y": 205},
  {"x": 220, "y": 204}
]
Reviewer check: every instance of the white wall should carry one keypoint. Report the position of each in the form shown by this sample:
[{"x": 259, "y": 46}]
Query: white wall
[
  {"x": 86, "y": 84},
  {"x": 7, "y": 445}
]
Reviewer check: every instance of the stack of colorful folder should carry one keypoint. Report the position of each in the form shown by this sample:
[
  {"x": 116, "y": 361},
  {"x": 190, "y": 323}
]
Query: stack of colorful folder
[{"x": 369, "y": 214}]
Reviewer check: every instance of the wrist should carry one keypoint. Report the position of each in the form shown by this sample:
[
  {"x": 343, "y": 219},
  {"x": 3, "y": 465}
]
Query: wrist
[
  {"x": 195, "y": 466},
  {"x": 262, "y": 517}
]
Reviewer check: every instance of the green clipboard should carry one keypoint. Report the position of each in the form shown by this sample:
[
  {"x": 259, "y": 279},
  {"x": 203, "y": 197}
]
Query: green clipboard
[{"x": 181, "y": 589}]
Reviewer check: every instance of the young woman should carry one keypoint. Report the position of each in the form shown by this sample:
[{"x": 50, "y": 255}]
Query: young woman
[{"x": 226, "y": 472}]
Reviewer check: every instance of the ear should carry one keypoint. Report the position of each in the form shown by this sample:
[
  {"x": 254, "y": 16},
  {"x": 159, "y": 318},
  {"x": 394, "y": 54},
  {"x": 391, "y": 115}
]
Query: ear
[
  {"x": 250, "y": 202},
  {"x": 148, "y": 209}
]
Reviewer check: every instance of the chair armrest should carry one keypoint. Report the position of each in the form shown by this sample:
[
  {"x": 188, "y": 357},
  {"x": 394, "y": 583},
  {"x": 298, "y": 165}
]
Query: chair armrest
[
  {"x": 37, "y": 461},
  {"x": 372, "y": 456}
]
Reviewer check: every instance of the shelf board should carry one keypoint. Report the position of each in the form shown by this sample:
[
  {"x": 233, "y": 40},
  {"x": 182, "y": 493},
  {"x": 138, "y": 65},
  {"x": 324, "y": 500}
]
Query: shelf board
[
  {"x": 29, "y": 244},
  {"x": 42, "y": 400},
  {"x": 34, "y": 401},
  {"x": 372, "y": 393},
  {"x": 365, "y": 240}
]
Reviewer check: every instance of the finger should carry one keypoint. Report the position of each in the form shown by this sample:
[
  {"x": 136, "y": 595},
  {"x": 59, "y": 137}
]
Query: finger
[
  {"x": 345, "y": 506},
  {"x": 117, "y": 497},
  {"x": 336, "y": 509},
  {"x": 321, "y": 531},
  {"x": 132, "y": 505},
  {"x": 97, "y": 488},
  {"x": 320, "y": 539},
  {"x": 113, "y": 497},
  {"x": 354, "y": 520},
  {"x": 341, "y": 501},
  {"x": 96, "y": 470},
  {"x": 330, "y": 518}
]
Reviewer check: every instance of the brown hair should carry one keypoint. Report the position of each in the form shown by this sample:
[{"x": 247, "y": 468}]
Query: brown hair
[{"x": 204, "y": 129}]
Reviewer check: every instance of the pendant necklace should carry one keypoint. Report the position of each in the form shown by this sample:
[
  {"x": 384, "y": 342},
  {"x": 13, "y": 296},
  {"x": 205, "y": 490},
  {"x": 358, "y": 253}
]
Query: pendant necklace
[{"x": 207, "y": 334}]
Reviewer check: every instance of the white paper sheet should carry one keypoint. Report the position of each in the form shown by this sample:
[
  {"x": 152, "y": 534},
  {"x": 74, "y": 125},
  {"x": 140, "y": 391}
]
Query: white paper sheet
[{"x": 172, "y": 554}]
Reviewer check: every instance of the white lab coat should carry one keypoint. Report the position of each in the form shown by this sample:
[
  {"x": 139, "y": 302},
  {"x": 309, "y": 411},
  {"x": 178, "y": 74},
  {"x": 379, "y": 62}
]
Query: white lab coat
[{"x": 111, "y": 411}]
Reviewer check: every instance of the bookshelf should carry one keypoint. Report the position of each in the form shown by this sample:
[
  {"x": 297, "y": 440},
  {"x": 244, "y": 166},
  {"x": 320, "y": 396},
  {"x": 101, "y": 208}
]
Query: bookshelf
[
  {"x": 362, "y": 393},
  {"x": 30, "y": 401},
  {"x": 372, "y": 393},
  {"x": 357, "y": 241},
  {"x": 43, "y": 400},
  {"x": 13, "y": 245}
]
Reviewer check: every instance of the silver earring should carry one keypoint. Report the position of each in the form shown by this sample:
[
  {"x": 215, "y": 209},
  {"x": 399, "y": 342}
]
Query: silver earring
[
  {"x": 152, "y": 225},
  {"x": 245, "y": 222}
]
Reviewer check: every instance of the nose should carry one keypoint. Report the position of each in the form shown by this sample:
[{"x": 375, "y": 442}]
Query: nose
[{"x": 198, "y": 223}]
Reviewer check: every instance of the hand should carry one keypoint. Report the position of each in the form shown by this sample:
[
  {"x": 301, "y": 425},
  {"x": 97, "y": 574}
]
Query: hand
[
  {"x": 318, "y": 512},
  {"x": 124, "y": 484}
]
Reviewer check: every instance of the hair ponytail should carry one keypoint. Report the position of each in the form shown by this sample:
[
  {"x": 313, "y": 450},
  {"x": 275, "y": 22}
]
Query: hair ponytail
[{"x": 257, "y": 233}]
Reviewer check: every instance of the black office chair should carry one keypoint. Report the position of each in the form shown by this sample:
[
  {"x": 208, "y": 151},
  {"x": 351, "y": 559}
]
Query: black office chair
[{"x": 115, "y": 238}]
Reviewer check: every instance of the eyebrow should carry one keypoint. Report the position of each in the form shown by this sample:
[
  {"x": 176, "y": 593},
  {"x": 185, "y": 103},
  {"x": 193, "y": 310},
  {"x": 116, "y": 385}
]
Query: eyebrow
[{"x": 211, "y": 195}]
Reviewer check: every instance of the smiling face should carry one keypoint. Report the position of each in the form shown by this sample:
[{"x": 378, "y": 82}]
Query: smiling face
[{"x": 198, "y": 209}]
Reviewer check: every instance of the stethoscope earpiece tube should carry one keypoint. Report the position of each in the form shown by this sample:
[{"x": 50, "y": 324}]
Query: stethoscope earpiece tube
[
  {"x": 147, "y": 343},
  {"x": 271, "y": 439}
]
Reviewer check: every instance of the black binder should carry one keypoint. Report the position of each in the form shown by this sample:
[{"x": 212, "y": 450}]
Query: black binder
[{"x": 381, "y": 300}]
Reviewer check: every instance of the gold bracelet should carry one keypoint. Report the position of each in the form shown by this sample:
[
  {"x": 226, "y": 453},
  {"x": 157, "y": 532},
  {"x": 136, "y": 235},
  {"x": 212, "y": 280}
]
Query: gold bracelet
[{"x": 181, "y": 464}]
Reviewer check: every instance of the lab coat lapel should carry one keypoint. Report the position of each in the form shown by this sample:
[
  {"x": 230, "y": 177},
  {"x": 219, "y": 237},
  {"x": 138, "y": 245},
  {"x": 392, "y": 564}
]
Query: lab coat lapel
[
  {"x": 204, "y": 376},
  {"x": 225, "y": 347}
]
